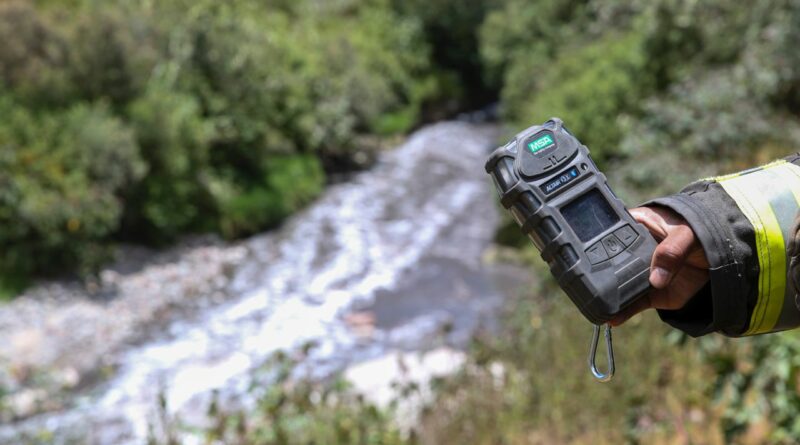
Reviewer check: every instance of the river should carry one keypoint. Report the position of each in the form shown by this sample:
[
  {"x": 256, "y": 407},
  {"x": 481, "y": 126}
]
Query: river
[{"x": 389, "y": 260}]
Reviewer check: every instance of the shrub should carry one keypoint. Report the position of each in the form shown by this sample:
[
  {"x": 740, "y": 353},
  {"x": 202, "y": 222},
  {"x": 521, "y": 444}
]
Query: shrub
[
  {"x": 144, "y": 121},
  {"x": 722, "y": 119},
  {"x": 33, "y": 57},
  {"x": 62, "y": 175},
  {"x": 528, "y": 383},
  {"x": 449, "y": 27},
  {"x": 290, "y": 182},
  {"x": 277, "y": 85},
  {"x": 288, "y": 411},
  {"x": 111, "y": 53},
  {"x": 309, "y": 77},
  {"x": 756, "y": 384},
  {"x": 174, "y": 140},
  {"x": 588, "y": 88}
]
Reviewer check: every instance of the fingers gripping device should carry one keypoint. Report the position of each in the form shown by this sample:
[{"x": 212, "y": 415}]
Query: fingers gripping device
[{"x": 596, "y": 251}]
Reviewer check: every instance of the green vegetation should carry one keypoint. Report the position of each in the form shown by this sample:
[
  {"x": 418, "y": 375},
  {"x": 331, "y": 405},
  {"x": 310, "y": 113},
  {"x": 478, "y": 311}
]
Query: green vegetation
[
  {"x": 732, "y": 100},
  {"x": 227, "y": 117},
  {"x": 289, "y": 411},
  {"x": 605, "y": 79},
  {"x": 544, "y": 393},
  {"x": 528, "y": 384},
  {"x": 668, "y": 387},
  {"x": 141, "y": 121},
  {"x": 663, "y": 92}
]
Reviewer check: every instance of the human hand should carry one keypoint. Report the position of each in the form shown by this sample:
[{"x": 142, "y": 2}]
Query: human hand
[{"x": 679, "y": 267}]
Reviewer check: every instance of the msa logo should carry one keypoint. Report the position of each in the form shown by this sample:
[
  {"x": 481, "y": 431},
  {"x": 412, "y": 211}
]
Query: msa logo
[{"x": 540, "y": 143}]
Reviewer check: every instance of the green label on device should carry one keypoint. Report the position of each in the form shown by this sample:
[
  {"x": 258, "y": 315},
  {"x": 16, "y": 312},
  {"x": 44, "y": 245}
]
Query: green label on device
[{"x": 540, "y": 143}]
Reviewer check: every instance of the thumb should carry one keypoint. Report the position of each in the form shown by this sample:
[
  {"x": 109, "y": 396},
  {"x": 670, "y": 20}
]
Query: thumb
[{"x": 670, "y": 255}]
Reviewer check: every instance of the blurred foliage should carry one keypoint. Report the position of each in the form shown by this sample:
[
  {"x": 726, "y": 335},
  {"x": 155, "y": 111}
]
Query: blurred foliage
[
  {"x": 288, "y": 411},
  {"x": 174, "y": 138},
  {"x": 606, "y": 77},
  {"x": 714, "y": 72},
  {"x": 280, "y": 194},
  {"x": 584, "y": 61},
  {"x": 217, "y": 95},
  {"x": 141, "y": 121},
  {"x": 758, "y": 383},
  {"x": 34, "y": 58},
  {"x": 663, "y": 92},
  {"x": 63, "y": 171},
  {"x": 449, "y": 26},
  {"x": 733, "y": 108},
  {"x": 529, "y": 384}
]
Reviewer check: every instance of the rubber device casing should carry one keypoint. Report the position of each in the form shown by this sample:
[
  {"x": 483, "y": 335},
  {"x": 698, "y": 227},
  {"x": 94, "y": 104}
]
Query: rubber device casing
[{"x": 599, "y": 290}]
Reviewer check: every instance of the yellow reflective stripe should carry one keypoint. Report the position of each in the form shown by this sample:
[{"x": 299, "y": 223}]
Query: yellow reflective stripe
[
  {"x": 751, "y": 192},
  {"x": 721, "y": 178},
  {"x": 744, "y": 172}
]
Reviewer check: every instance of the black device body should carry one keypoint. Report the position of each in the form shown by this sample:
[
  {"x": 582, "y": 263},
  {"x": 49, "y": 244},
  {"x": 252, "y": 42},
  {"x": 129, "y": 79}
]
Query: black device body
[{"x": 597, "y": 252}]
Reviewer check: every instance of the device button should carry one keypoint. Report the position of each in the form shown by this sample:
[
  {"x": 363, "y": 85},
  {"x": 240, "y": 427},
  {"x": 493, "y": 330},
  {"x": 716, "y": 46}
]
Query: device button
[
  {"x": 568, "y": 256},
  {"x": 627, "y": 235},
  {"x": 613, "y": 245},
  {"x": 596, "y": 254}
]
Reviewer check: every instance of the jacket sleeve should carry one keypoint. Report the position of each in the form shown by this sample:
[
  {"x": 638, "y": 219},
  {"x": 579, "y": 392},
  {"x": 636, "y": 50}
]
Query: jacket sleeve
[{"x": 746, "y": 224}]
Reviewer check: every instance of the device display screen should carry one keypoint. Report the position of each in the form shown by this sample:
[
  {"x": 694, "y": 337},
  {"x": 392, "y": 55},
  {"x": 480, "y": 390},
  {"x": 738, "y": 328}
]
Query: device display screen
[{"x": 589, "y": 215}]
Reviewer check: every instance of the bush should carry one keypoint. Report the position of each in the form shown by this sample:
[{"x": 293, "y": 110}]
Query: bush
[
  {"x": 290, "y": 182},
  {"x": 529, "y": 383},
  {"x": 756, "y": 383},
  {"x": 714, "y": 121},
  {"x": 581, "y": 60},
  {"x": 520, "y": 31},
  {"x": 722, "y": 119},
  {"x": 62, "y": 173},
  {"x": 174, "y": 138},
  {"x": 164, "y": 118},
  {"x": 277, "y": 85},
  {"x": 309, "y": 78},
  {"x": 588, "y": 88},
  {"x": 33, "y": 57},
  {"x": 449, "y": 28},
  {"x": 289, "y": 411},
  {"x": 111, "y": 54}
]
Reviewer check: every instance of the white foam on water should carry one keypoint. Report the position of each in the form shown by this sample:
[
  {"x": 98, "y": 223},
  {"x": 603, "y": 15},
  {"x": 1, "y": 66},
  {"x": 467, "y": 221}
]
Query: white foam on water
[{"x": 430, "y": 194}]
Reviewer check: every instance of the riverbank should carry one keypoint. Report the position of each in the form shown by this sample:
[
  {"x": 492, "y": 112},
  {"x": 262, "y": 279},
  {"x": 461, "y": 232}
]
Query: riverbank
[
  {"x": 64, "y": 336},
  {"x": 389, "y": 261}
]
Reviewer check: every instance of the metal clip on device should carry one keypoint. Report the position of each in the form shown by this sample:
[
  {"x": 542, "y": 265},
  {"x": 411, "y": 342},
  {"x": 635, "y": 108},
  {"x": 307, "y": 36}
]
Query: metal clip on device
[
  {"x": 596, "y": 251},
  {"x": 593, "y": 355}
]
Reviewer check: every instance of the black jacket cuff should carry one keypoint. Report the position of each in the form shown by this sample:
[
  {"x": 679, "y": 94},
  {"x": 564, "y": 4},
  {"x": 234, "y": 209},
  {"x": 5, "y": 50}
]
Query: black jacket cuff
[{"x": 721, "y": 305}]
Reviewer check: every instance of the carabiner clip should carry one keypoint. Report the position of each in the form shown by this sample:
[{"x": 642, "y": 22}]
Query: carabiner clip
[{"x": 593, "y": 354}]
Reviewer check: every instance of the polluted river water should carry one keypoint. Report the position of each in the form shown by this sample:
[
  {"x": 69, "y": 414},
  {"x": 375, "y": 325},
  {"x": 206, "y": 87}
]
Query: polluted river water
[{"x": 387, "y": 261}]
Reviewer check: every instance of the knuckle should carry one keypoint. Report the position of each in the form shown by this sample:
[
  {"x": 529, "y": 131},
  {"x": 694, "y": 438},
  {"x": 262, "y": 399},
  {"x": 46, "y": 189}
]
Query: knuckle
[{"x": 668, "y": 253}]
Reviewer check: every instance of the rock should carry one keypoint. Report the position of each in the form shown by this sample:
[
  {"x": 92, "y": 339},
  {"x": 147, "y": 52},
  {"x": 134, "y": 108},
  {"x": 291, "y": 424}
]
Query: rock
[
  {"x": 25, "y": 343},
  {"x": 68, "y": 377},
  {"x": 64, "y": 331},
  {"x": 384, "y": 379},
  {"x": 26, "y": 402},
  {"x": 362, "y": 323}
]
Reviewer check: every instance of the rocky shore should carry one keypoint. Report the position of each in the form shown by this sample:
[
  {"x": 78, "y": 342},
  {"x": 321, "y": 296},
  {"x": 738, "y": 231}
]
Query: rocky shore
[
  {"x": 390, "y": 261},
  {"x": 60, "y": 336}
]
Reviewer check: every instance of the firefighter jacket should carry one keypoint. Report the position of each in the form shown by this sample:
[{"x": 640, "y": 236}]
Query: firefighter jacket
[{"x": 747, "y": 224}]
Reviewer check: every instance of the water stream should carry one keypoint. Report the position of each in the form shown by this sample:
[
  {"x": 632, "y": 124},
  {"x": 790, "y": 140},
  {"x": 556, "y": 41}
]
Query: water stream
[{"x": 401, "y": 243}]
